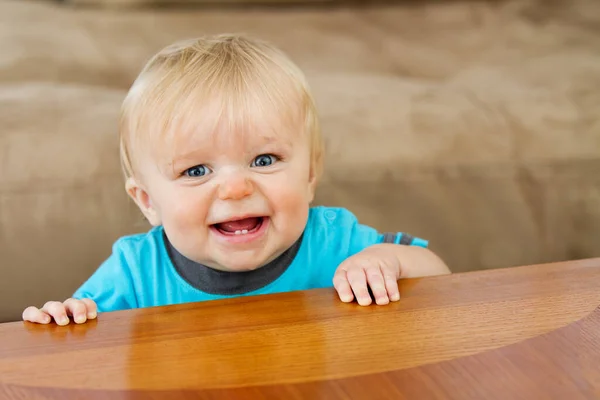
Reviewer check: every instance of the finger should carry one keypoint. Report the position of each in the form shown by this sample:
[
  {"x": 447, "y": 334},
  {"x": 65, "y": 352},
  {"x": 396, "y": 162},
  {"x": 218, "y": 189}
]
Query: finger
[
  {"x": 92, "y": 308},
  {"x": 377, "y": 285},
  {"x": 57, "y": 311},
  {"x": 358, "y": 282},
  {"x": 77, "y": 309},
  {"x": 391, "y": 285},
  {"x": 34, "y": 314},
  {"x": 341, "y": 284}
]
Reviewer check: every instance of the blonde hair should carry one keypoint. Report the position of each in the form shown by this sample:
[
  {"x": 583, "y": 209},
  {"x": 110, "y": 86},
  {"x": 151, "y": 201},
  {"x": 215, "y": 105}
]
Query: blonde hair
[{"x": 243, "y": 75}]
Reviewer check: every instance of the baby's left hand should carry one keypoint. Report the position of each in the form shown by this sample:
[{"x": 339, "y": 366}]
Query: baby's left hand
[{"x": 376, "y": 266}]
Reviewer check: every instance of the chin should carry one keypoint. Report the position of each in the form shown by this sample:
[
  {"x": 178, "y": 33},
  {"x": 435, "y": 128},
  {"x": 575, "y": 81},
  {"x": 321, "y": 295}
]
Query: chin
[
  {"x": 243, "y": 267},
  {"x": 246, "y": 260}
]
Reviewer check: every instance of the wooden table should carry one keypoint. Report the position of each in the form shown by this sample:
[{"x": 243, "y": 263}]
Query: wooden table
[{"x": 519, "y": 333}]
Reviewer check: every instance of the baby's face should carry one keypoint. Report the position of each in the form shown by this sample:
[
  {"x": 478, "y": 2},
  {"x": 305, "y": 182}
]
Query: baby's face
[{"x": 232, "y": 200}]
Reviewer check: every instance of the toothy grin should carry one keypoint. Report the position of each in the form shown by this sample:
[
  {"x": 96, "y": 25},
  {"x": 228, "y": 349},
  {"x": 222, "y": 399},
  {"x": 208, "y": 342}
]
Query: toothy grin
[
  {"x": 240, "y": 227},
  {"x": 241, "y": 231}
]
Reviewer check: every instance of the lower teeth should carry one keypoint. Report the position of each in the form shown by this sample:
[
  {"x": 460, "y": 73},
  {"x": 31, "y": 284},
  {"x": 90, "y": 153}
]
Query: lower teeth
[{"x": 242, "y": 232}]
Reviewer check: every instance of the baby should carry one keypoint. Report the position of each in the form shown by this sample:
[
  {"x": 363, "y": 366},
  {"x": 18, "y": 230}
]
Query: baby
[{"x": 222, "y": 153}]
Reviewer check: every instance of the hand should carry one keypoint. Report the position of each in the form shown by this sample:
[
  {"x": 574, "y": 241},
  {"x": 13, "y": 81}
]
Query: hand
[
  {"x": 380, "y": 266},
  {"x": 376, "y": 266},
  {"x": 80, "y": 310}
]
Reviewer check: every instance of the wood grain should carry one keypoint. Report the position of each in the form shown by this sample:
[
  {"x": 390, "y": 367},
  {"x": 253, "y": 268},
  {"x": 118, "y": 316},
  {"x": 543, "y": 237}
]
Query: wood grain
[{"x": 458, "y": 336}]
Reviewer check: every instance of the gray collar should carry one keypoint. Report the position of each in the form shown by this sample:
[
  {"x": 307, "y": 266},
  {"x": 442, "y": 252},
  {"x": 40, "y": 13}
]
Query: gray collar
[{"x": 217, "y": 282}]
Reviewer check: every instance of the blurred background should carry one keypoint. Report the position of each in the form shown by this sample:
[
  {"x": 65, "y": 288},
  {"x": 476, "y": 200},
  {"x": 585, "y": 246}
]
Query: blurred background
[{"x": 473, "y": 124}]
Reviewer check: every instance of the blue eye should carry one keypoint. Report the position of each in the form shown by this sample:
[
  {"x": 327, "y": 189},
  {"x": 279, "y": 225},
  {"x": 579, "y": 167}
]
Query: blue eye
[
  {"x": 264, "y": 160},
  {"x": 197, "y": 171}
]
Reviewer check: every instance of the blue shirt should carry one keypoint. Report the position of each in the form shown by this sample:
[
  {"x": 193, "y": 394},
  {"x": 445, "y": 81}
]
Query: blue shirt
[{"x": 140, "y": 273}]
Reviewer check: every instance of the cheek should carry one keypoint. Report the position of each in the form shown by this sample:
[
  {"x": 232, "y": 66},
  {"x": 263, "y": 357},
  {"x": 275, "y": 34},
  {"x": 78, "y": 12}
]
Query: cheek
[
  {"x": 182, "y": 207},
  {"x": 289, "y": 195},
  {"x": 298, "y": 176},
  {"x": 291, "y": 186}
]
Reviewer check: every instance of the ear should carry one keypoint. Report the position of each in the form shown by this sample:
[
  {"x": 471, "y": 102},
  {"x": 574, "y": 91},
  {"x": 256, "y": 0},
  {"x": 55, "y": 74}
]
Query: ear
[
  {"x": 142, "y": 199},
  {"x": 313, "y": 178}
]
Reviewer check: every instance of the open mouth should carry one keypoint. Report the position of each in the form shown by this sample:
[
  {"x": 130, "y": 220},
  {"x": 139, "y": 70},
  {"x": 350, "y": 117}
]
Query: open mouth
[{"x": 238, "y": 227}]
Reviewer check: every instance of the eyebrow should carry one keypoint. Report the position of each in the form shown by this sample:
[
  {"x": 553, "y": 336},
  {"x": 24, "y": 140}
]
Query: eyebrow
[
  {"x": 270, "y": 139},
  {"x": 286, "y": 144},
  {"x": 192, "y": 157}
]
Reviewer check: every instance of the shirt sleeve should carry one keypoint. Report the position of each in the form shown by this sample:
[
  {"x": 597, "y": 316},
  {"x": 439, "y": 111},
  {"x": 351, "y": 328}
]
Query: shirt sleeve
[
  {"x": 360, "y": 236},
  {"x": 404, "y": 239},
  {"x": 110, "y": 287}
]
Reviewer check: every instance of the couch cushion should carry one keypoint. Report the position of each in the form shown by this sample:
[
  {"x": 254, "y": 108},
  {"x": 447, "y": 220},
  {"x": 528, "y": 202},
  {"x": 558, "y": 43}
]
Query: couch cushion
[
  {"x": 62, "y": 197},
  {"x": 493, "y": 176},
  {"x": 99, "y": 47},
  {"x": 184, "y": 3}
]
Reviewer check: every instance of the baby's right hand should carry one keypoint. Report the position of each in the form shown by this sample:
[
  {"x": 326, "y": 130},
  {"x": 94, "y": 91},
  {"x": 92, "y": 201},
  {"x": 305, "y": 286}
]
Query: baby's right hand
[{"x": 80, "y": 310}]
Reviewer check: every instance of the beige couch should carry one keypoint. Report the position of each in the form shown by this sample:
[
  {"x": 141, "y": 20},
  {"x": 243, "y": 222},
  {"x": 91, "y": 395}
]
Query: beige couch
[{"x": 475, "y": 125}]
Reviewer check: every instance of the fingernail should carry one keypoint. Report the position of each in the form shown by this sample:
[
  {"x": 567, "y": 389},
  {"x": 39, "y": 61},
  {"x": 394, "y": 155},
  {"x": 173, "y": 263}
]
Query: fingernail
[
  {"x": 383, "y": 301},
  {"x": 80, "y": 318},
  {"x": 364, "y": 302},
  {"x": 63, "y": 321},
  {"x": 395, "y": 297},
  {"x": 46, "y": 319},
  {"x": 92, "y": 315}
]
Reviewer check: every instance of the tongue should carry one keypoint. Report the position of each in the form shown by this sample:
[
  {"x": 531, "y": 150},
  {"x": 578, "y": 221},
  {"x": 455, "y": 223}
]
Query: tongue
[{"x": 239, "y": 225}]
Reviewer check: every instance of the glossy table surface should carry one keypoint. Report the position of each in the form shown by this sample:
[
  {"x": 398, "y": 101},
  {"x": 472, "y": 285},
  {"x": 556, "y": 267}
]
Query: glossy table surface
[{"x": 517, "y": 333}]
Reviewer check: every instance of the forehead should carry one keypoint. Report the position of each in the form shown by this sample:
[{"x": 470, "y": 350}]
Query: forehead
[
  {"x": 193, "y": 111},
  {"x": 224, "y": 125},
  {"x": 218, "y": 130}
]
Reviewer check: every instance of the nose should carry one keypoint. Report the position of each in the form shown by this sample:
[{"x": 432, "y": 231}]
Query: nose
[{"x": 235, "y": 187}]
